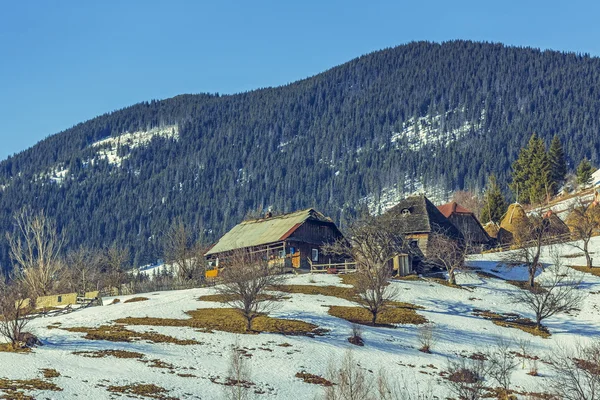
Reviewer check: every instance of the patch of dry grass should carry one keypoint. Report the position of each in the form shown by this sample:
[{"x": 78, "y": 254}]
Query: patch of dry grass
[
  {"x": 334, "y": 291},
  {"x": 445, "y": 282},
  {"x": 8, "y": 348},
  {"x": 50, "y": 373},
  {"x": 116, "y": 333},
  {"x": 397, "y": 313},
  {"x": 13, "y": 388},
  {"x": 115, "y": 301},
  {"x": 594, "y": 270},
  {"x": 109, "y": 353},
  {"x": 313, "y": 379},
  {"x": 512, "y": 320},
  {"x": 229, "y": 320},
  {"x": 136, "y": 299},
  {"x": 147, "y": 390}
]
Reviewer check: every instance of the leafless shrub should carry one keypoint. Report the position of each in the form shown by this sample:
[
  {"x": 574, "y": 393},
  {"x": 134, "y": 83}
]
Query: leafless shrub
[
  {"x": 246, "y": 281},
  {"x": 584, "y": 223},
  {"x": 557, "y": 292},
  {"x": 427, "y": 337},
  {"x": 399, "y": 389},
  {"x": 356, "y": 336},
  {"x": 35, "y": 248},
  {"x": 185, "y": 252},
  {"x": 576, "y": 372},
  {"x": 501, "y": 363},
  {"x": 16, "y": 302},
  {"x": 350, "y": 381},
  {"x": 237, "y": 386},
  {"x": 466, "y": 378}
]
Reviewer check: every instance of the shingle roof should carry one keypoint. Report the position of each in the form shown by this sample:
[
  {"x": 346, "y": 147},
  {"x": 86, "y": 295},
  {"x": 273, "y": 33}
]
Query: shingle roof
[
  {"x": 264, "y": 230},
  {"x": 453, "y": 207},
  {"x": 416, "y": 214}
]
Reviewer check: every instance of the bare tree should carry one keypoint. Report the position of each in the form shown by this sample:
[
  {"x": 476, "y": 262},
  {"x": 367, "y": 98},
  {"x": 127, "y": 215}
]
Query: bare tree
[
  {"x": 501, "y": 363},
  {"x": 448, "y": 253},
  {"x": 584, "y": 222},
  {"x": 471, "y": 200},
  {"x": 83, "y": 270},
  {"x": 113, "y": 264},
  {"x": 16, "y": 302},
  {"x": 373, "y": 243},
  {"x": 35, "y": 248},
  {"x": 557, "y": 292},
  {"x": 237, "y": 386},
  {"x": 427, "y": 337},
  {"x": 531, "y": 234},
  {"x": 576, "y": 372},
  {"x": 350, "y": 381},
  {"x": 247, "y": 279},
  {"x": 186, "y": 253},
  {"x": 466, "y": 378}
]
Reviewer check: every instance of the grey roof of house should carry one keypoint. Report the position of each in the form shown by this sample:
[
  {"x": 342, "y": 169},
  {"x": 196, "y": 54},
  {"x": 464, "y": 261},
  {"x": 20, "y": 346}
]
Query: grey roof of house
[
  {"x": 421, "y": 216},
  {"x": 263, "y": 231}
]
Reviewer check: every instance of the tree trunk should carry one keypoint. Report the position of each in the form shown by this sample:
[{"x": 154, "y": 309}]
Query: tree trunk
[
  {"x": 538, "y": 323},
  {"x": 532, "y": 278},
  {"x": 374, "y": 319},
  {"x": 249, "y": 324},
  {"x": 451, "y": 277},
  {"x": 588, "y": 259}
]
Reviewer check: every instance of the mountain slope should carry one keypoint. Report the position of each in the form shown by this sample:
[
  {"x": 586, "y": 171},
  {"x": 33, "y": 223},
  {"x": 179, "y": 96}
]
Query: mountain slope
[{"x": 421, "y": 115}]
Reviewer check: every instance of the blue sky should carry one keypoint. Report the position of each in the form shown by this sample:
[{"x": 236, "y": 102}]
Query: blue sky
[{"x": 63, "y": 62}]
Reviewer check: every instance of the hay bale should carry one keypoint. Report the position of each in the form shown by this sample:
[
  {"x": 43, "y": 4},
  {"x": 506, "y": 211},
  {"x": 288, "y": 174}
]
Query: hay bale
[
  {"x": 514, "y": 217},
  {"x": 492, "y": 229}
]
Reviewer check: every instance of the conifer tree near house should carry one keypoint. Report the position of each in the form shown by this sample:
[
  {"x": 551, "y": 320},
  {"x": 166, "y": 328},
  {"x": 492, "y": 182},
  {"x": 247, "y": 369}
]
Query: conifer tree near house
[
  {"x": 494, "y": 204},
  {"x": 531, "y": 172},
  {"x": 584, "y": 173},
  {"x": 558, "y": 164}
]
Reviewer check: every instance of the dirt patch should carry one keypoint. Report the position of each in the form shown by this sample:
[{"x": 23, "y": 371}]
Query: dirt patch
[
  {"x": 398, "y": 313},
  {"x": 117, "y": 333},
  {"x": 147, "y": 390},
  {"x": 136, "y": 299},
  {"x": 512, "y": 320},
  {"x": 50, "y": 373},
  {"x": 14, "y": 388},
  {"x": 313, "y": 379},
  {"x": 110, "y": 353},
  {"x": 229, "y": 320}
]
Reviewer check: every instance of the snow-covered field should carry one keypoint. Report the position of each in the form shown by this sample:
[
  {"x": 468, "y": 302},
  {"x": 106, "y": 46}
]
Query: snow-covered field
[{"x": 273, "y": 367}]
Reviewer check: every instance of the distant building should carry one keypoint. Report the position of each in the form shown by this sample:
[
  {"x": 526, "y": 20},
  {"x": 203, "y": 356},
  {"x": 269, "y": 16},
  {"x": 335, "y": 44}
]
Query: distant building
[
  {"x": 287, "y": 240},
  {"x": 466, "y": 222}
]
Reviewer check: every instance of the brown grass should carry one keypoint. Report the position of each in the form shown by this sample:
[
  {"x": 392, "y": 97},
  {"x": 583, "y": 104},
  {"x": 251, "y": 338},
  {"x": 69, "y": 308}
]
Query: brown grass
[
  {"x": 8, "y": 348},
  {"x": 334, "y": 291},
  {"x": 109, "y": 353},
  {"x": 116, "y": 333},
  {"x": 13, "y": 387},
  {"x": 313, "y": 379},
  {"x": 115, "y": 301},
  {"x": 50, "y": 373},
  {"x": 136, "y": 299},
  {"x": 229, "y": 320},
  {"x": 445, "y": 282},
  {"x": 398, "y": 313},
  {"x": 512, "y": 321},
  {"x": 581, "y": 268},
  {"x": 142, "y": 389}
]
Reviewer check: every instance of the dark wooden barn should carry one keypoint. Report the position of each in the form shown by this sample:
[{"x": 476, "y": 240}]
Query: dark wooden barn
[
  {"x": 467, "y": 223},
  {"x": 290, "y": 240}
]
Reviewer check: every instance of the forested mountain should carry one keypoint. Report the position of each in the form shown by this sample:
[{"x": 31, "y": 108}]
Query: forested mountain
[{"x": 417, "y": 115}]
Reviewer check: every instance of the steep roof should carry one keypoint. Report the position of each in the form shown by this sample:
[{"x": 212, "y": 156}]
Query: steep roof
[
  {"x": 416, "y": 214},
  {"x": 262, "y": 231},
  {"x": 453, "y": 208}
]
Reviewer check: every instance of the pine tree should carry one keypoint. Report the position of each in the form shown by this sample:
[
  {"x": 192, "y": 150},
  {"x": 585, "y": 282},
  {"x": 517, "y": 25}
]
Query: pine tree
[
  {"x": 558, "y": 164},
  {"x": 494, "y": 204},
  {"x": 584, "y": 173},
  {"x": 530, "y": 177}
]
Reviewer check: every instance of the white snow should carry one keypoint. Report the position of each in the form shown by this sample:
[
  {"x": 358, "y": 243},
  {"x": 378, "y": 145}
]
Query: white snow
[{"x": 458, "y": 331}]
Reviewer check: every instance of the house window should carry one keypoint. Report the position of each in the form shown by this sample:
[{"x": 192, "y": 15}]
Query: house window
[
  {"x": 60, "y": 299},
  {"x": 315, "y": 254},
  {"x": 405, "y": 212},
  {"x": 292, "y": 250}
]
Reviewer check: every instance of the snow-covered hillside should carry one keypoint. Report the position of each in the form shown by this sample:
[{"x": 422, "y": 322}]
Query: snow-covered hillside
[{"x": 274, "y": 359}]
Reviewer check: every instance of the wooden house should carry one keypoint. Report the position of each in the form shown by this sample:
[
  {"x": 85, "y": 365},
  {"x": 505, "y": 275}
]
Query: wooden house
[
  {"x": 467, "y": 223},
  {"x": 291, "y": 240},
  {"x": 417, "y": 219}
]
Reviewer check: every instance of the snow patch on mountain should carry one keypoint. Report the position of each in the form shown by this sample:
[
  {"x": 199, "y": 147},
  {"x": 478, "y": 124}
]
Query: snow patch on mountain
[{"x": 109, "y": 148}]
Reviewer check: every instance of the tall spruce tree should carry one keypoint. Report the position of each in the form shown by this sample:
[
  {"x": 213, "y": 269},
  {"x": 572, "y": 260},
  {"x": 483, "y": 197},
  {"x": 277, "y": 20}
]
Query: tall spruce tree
[
  {"x": 531, "y": 172},
  {"x": 558, "y": 164},
  {"x": 584, "y": 172},
  {"x": 494, "y": 204}
]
